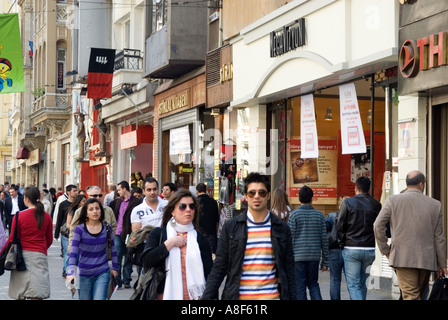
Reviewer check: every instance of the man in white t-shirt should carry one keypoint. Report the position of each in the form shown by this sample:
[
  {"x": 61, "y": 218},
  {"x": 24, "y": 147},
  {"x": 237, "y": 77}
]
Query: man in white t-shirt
[{"x": 150, "y": 211}]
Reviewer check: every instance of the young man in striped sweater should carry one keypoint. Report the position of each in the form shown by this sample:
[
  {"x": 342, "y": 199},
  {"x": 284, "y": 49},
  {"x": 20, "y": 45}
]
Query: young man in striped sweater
[
  {"x": 254, "y": 251},
  {"x": 310, "y": 245}
]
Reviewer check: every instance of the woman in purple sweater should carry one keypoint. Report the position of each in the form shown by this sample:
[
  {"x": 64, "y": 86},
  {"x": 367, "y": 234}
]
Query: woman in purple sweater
[{"x": 88, "y": 259}]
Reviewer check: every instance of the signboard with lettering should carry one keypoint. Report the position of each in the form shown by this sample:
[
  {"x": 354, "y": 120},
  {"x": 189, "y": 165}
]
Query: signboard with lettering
[{"x": 288, "y": 38}]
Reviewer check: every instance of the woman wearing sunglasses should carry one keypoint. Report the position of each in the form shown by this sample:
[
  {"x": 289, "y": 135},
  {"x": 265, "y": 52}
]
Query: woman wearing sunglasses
[{"x": 180, "y": 250}]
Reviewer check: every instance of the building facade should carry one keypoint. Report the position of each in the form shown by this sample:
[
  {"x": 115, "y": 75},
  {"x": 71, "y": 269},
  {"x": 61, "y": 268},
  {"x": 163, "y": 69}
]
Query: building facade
[{"x": 423, "y": 96}]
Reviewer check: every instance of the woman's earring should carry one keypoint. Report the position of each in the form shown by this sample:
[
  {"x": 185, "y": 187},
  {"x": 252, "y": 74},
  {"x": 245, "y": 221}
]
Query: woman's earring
[{"x": 173, "y": 222}]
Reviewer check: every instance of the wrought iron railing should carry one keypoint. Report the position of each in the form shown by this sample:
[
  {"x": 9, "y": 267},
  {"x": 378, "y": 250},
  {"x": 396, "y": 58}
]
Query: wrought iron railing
[{"x": 128, "y": 59}]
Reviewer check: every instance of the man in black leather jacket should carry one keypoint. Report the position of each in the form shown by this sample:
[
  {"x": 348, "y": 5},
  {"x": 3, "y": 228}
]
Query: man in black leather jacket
[
  {"x": 356, "y": 237},
  {"x": 232, "y": 246}
]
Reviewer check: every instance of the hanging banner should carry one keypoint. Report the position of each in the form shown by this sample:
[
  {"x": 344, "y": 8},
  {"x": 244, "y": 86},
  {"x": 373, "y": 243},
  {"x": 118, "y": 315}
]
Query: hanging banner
[
  {"x": 308, "y": 128},
  {"x": 11, "y": 60},
  {"x": 100, "y": 73},
  {"x": 352, "y": 135}
]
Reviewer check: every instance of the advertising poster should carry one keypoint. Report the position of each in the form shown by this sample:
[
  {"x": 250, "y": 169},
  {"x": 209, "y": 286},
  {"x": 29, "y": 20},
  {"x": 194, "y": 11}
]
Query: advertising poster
[
  {"x": 308, "y": 128},
  {"x": 320, "y": 174},
  {"x": 352, "y": 166},
  {"x": 351, "y": 126}
]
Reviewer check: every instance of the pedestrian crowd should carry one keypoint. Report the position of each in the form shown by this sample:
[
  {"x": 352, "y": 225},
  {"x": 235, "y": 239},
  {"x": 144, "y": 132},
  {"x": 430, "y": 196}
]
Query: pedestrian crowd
[{"x": 181, "y": 249}]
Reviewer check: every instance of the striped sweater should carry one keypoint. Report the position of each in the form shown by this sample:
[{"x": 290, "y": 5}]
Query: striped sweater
[
  {"x": 88, "y": 253},
  {"x": 258, "y": 280},
  {"x": 309, "y": 235}
]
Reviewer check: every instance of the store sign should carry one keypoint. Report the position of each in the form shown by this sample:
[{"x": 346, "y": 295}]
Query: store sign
[
  {"x": 177, "y": 101},
  {"x": 226, "y": 72},
  {"x": 424, "y": 54},
  {"x": 288, "y": 38},
  {"x": 129, "y": 140}
]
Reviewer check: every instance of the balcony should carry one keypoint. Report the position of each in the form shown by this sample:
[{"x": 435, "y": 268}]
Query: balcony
[
  {"x": 128, "y": 68},
  {"x": 51, "y": 110},
  {"x": 175, "y": 49}
]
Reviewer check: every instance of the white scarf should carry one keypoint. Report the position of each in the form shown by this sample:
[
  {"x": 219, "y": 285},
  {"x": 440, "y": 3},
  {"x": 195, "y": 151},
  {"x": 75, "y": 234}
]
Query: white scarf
[{"x": 193, "y": 265}]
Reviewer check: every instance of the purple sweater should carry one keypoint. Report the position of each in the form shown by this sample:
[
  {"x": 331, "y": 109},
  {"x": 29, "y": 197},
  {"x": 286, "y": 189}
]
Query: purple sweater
[{"x": 88, "y": 252}]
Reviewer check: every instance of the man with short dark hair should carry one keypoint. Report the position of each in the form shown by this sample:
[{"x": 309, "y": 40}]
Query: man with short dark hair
[
  {"x": 254, "y": 251},
  {"x": 71, "y": 191},
  {"x": 13, "y": 204},
  {"x": 310, "y": 245},
  {"x": 208, "y": 216},
  {"x": 356, "y": 237},
  {"x": 168, "y": 189},
  {"x": 122, "y": 210},
  {"x": 418, "y": 242}
]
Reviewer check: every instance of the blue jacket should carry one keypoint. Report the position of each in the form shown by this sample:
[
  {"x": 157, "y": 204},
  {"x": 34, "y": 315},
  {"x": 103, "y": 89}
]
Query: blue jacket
[{"x": 309, "y": 234}]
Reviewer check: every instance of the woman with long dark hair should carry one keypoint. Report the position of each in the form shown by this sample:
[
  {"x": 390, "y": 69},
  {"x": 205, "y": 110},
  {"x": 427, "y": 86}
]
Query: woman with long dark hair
[
  {"x": 79, "y": 201},
  {"x": 280, "y": 204},
  {"x": 177, "y": 248},
  {"x": 35, "y": 232},
  {"x": 88, "y": 261}
]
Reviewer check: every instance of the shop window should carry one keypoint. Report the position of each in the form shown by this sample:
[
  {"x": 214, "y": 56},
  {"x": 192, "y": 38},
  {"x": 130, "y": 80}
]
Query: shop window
[
  {"x": 333, "y": 174},
  {"x": 159, "y": 18},
  {"x": 178, "y": 157}
]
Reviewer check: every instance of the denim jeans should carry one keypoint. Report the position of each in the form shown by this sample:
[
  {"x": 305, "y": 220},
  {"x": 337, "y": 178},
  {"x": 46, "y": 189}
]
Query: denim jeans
[
  {"x": 357, "y": 264},
  {"x": 95, "y": 287},
  {"x": 336, "y": 268},
  {"x": 65, "y": 254},
  {"x": 307, "y": 274},
  {"x": 122, "y": 252}
]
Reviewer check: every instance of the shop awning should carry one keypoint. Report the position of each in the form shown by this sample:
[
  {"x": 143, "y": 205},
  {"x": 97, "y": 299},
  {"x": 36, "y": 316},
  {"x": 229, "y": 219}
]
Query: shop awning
[{"x": 23, "y": 153}]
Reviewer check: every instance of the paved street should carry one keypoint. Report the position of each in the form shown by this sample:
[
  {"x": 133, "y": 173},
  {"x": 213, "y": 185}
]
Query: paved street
[{"x": 60, "y": 292}]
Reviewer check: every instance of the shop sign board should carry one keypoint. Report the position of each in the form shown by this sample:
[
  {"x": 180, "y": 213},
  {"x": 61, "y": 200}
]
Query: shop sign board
[
  {"x": 129, "y": 140},
  {"x": 288, "y": 38}
]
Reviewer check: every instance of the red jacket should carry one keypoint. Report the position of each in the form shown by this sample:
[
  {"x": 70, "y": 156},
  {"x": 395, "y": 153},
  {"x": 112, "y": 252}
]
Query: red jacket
[{"x": 32, "y": 238}]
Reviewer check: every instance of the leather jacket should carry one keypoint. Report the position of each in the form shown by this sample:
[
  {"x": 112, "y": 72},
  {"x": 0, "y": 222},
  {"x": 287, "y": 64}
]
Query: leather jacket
[
  {"x": 230, "y": 256},
  {"x": 355, "y": 221}
]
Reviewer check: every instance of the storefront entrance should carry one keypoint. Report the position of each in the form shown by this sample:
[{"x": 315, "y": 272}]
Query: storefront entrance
[{"x": 439, "y": 175}]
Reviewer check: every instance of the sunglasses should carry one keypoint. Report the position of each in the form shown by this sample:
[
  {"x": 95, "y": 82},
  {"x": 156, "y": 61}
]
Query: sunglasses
[
  {"x": 262, "y": 193},
  {"x": 96, "y": 195},
  {"x": 183, "y": 206}
]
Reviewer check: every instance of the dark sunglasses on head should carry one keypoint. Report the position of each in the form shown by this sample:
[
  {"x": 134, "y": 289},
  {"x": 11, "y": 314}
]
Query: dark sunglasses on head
[
  {"x": 183, "y": 206},
  {"x": 262, "y": 192},
  {"x": 96, "y": 195}
]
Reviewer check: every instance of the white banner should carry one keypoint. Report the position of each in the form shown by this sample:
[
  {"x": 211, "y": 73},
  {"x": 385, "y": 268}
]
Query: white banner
[
  {"x": 352, "y": 134},
  {"x": 308, "y": 130},
  {"x": 180, "y": 141}
]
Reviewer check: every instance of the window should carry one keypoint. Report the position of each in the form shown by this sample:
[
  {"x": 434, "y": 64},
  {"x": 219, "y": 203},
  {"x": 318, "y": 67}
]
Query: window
[
  {"x": 61, "y": 69},
  {"x": 160, "y": 8},
  {"x": 127, "y": 35}
]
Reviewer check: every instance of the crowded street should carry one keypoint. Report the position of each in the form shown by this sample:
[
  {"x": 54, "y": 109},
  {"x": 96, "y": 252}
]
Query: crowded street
[{"x": 232, "y": 150}]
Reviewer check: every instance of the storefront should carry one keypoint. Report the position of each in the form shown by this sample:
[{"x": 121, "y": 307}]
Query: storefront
[
  {"x": 337, "y": 59},
  {"x": 180, "y": 121},
  {"x": 423, "y": 96}
]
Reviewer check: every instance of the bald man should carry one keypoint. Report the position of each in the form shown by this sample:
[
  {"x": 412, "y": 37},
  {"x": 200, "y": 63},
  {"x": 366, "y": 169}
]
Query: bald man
[{"x": 418, "y": 243}]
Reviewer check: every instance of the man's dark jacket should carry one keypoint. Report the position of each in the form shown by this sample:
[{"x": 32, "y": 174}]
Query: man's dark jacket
[
  {"x": 8, "y": 208},
  {"x": 208, "y": 215},
  {"x": 355, "y": 221},
  {"x": 127, "y": 226},
  {"x": 230, "y": 256}
]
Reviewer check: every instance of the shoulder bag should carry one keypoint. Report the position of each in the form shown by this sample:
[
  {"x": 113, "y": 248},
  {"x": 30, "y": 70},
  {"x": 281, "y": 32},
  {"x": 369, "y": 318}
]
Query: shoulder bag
[{"x": 11, "y": 257}]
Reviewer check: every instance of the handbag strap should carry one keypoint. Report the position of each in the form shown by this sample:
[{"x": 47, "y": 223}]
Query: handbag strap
[{"x": 15, "y": 236}]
